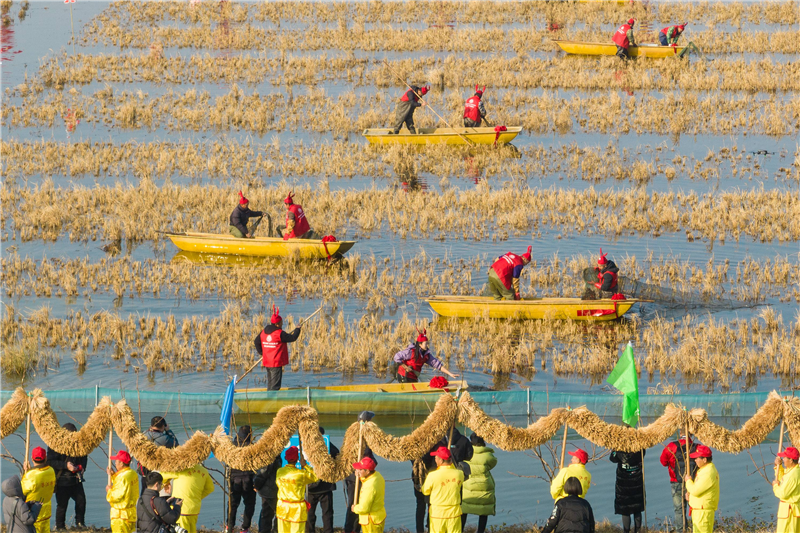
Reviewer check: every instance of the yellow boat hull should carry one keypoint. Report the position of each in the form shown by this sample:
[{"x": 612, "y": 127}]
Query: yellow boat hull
[
  {"x": 531, "y": 308},
  {"x": 453, "y": 136},
  {"x": 610, "y": 49},
  {"x": 212, "y": 243}
]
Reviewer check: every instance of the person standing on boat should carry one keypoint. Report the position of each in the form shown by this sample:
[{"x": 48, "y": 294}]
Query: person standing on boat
[
  {"x": 404, "y": 112},
  {"x": 292, "y": 510},
  {"x": 271, "y": 345},
  {"x": 474, "y": 111},
  {"x": 669, "y": 36},
  {"x": 703, "y": 491},
  {"x": 411, "y": 360},
  {"x": 786, "y": 488},
  {"x": 504, "y": 275},
  {"x": 577, "y": 469},
  {"x": 370, "y": 507},
  {"x": 296, "y": 222},
  {"x": 443, "y": 485},
  {"x": 624, "y": 39},
  {"x": 241, "y": 216},
  {"x": 607, "y": 273}
]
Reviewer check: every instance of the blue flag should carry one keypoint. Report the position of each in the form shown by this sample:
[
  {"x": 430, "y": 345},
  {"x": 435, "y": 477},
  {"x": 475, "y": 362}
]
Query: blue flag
[{"x": 227, "y": 407}]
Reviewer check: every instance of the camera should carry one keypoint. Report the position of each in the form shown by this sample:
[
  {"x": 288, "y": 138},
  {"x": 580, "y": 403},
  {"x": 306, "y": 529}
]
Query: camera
[{"x": 178, "y": 529}]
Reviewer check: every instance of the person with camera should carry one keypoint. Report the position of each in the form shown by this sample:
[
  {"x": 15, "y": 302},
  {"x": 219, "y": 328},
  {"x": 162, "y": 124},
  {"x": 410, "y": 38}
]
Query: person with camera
[
  {"x": 160, "y": 435},
  {"x": 157, "y": 514},
  {"x": 69, "y": 484}
]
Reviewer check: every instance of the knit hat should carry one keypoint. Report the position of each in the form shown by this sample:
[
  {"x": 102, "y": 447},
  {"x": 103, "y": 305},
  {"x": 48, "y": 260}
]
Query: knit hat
[
  {"x": 631, "y": 22},
  {"x": 38, "y": 454},
  {"x": 602, "y": 260},
  {"x": 424, "y": 90},
  {"x": 123, "y": 456},
  {"x": 276, "y": 317},
  {"x": 527, "y": 255},
  {"x": 292, "y": 454},
  {"x": 242, "y": 199},
  {"x": 289, "y": 199},
  {"x": 422, "y": 337}
]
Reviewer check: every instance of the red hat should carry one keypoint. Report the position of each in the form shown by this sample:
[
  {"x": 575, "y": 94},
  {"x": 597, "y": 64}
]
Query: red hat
[
  {"x": 791, "y": 453},
  {"x": 123, "y": 456},
  {"x": 367, "y": 463},
  {"x": 292, "y": 454},
  {"x": 602, "y": 260},
  {"x": 424, "y": 90},
  {"x": 276, "y": 317},
  {"x": 582, "y": 456},
  {"x": 631, "y": 22},
  {"x": 702, "y": 451},
  {"x": 479, "y": 92},
  {"x": 242, "y": 199},
  {"x": 38, "y": 454},
  {"x": 681, "y": 27},
  {"x": 527, "y": 255},
  {"x": 441, "y": 452},
  {"x": 422, "y": 337},
  {"x": 289, "y": 199}
]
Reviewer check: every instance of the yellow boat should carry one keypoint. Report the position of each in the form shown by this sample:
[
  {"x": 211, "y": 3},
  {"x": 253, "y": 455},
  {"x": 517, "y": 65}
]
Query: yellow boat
[
  {"x": 610, "y": 49},
  {"x": 442, "y": 136},
  {"x": 214, "y": 243},
  {"x": 531, "y": 308},
  {"x": 383, "y": 398}
]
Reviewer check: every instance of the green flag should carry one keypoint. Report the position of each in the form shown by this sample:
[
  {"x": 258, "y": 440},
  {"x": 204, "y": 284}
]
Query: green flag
[{"x": 624, "y": 379}]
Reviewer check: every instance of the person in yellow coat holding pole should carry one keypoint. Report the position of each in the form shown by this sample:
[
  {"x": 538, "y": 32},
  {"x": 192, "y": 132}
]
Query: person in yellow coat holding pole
[
  {"x": 191, "y": 486},
  {"x": 703, "y": 491},
  {"x": 38, "y": 485},
  {"x": 443, "y": 485},
  {"x": 576, "y": 469},
  {"x": 292, "y": 511},
  {"x": 786, "y": 487},
  {"x": 122, "y": 494},
  {"x": 369, "y": 505}
]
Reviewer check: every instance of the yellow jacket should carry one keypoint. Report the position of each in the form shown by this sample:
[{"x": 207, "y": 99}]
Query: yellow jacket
[
  {"x": 292, "y": 483},
  {"x": 370, "y": 507},
  {"x": 704, "y": 489},
  {"x": 38, "y": 485},
  {"x": 577, "y": 470},
  {"x": 444, "y": 487},
  {"x": 190, "y": 485},
  {"x": 123, "y": 494},
  {"x": 788, "y": 490}
]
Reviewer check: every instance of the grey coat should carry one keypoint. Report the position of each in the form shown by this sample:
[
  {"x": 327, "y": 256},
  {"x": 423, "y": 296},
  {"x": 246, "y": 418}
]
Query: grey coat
[{"x": 18, "y": 515}]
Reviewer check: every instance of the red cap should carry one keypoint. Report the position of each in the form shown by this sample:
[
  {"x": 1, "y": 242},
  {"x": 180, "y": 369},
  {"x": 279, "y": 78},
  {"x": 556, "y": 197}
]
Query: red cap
[
  {"x": 702, "y": 451},
  {"x": 38, "y": 454},
  {"x": 631, "y": 22},
  {"x": 441, "y": 452},
  {"x": 602, "y": 260},
  {"x": 791, "y": 453},
  {"x": 242, "y": 199},
  {"x": 527, "y": 255},
  {"x": 582, "y": 456},
  {"x": 682, "y": 26},
  {"x": 424, "y": 90},
  {"x": 276, "y": 317},
  {"x": 292, "y": 454},
  {"x": 422, "y": 337},
  {"x": 123, "y": 456},
  {"x": 367, "y": 463},
  {"x": 289, "y": 200}
]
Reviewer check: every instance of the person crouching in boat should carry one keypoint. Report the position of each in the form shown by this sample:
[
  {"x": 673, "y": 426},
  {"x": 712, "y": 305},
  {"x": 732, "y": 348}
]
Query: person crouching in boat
[
  {"x": 411, "y": 360},
  {"x": 623, "y": 38},
  {"x": 504, "y": 275},
  {"x": 474, "y": 111},
  {"x": 607, "y": 273},
  {"x": 669, "y": 36},
  {"x": 271, "y": 346},
  {"x": 404, "y": 112},
  {"x": 296, "y": 222},
  {"x": 241, "y": 216}
]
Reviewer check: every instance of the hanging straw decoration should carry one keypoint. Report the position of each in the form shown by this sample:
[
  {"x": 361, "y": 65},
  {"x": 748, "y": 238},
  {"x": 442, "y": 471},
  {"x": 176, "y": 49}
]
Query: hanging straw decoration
[{"x": 13, "y": 413}]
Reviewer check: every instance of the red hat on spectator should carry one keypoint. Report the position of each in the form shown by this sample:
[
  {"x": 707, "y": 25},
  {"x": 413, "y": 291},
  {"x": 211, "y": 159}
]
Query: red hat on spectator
[
  {"x": 123, "y": 456},
  {"x": 242, "y": 199},
  {"x": 702, "y": 451},
  {"x": 442, "y": 453},
  {"x": 38, "y": 454},
  {"x": 292, "y": 454},
  {"x": 582, "y": 456},
  {"x": 367, "y": 463},
  {"x": 791, "y": 453}
]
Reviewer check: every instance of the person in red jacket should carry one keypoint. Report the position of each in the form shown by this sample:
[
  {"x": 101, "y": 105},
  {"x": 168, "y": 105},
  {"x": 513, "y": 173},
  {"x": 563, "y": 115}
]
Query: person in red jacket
[
  {"x": 297, "y": 226},
  {"x": 669, "y": 36},
  {"x": 504, "y": 275},
  {"x": 674, "y": 459},
  {"x": 474, "y": 111},
  {"x": 404, "y": 112},
  {"x": 607, "y": 273},
  {"x": 623, "y": 38},
  {"x": 271, "y": 345},
  {"x": 411, "y": 360}
]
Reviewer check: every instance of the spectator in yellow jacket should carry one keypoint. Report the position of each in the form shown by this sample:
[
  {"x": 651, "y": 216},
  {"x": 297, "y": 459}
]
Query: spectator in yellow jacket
[
  {"x": 703, "y": 491},
  {"x": 291, "y": 510},
  {"x": 443, "y": 485},
  {"x": 122, "y": 494},
  {"x": 786, "y": 487},
  {"x": 370, "y": 505},
  {"x": 38, "y": 485},
  {"x": 576, "y": 469},
  {"x": 191, "y": 486}
]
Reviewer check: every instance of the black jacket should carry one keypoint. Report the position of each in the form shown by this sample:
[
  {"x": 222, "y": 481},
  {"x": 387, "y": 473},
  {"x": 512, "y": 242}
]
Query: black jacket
[
  {"x": 608, "y": 279},
  {"x": 264, "y": 480},
  {"x": 65, "y": 478},
  {"x": 241, "y": 216},
  {"x": 285, "y": 337},
  {"x": 243, "y": 477},
  {"x": 572, "y": 514},
  {"x": 629, "y": 490},
  {"x": 147, "y": 520},
  {"x": 321, "y": 487}
]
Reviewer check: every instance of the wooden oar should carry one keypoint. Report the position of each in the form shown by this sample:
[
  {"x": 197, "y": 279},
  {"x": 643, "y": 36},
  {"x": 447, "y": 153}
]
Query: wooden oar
[{"x": 426, "y": 104}]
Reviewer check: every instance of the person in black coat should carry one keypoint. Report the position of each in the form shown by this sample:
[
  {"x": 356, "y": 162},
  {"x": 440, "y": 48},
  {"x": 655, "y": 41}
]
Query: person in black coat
[
  {"x": 571, "y": 514},
  {"x": 629, "y": 490},
  {"x": 241, "y": 486},
  {"x": 321, "y": 492},
  {"x": 264, "y": 483},
  {"x": 152, "y": 509},
  {"x": 69, "y": 484},
  {"x": 240, "y": 216}
]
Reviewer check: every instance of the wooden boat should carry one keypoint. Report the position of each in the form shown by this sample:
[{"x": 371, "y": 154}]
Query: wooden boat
[
  {"x": 214, "y": 243},
  {"x": 531, "y": 308},
  {"x": 383, "y": 398},
  {"x": 441, "y": 136},
  {"x": 610, "y": 49}
]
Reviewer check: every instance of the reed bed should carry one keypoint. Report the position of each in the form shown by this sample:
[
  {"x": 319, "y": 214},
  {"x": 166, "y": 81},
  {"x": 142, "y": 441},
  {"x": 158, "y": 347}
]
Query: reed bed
[
  {"x": 705, "y": 350},
  {"x": 135, "y": 213}
]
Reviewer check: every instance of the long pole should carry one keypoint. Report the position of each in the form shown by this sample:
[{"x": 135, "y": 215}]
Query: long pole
[
  {"x": 687, "y": 469},
  {"x": 26, "y": 465},
  {"x": 428, "y": 106},
  {"x": 564, "y": 444},
  {"x": 357, "y": 492},
  {"x": 110, "y": 453},
  {"x": 644, "y": 491}
]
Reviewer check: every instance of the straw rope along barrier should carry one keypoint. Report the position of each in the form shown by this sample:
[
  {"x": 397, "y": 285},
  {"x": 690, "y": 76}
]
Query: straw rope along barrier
[{"x": 304, "y": 420}]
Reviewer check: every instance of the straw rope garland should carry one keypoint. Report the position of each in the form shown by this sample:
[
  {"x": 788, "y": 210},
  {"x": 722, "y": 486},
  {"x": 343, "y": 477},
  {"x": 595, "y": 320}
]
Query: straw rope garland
[{"x": 305, "y": 421}]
